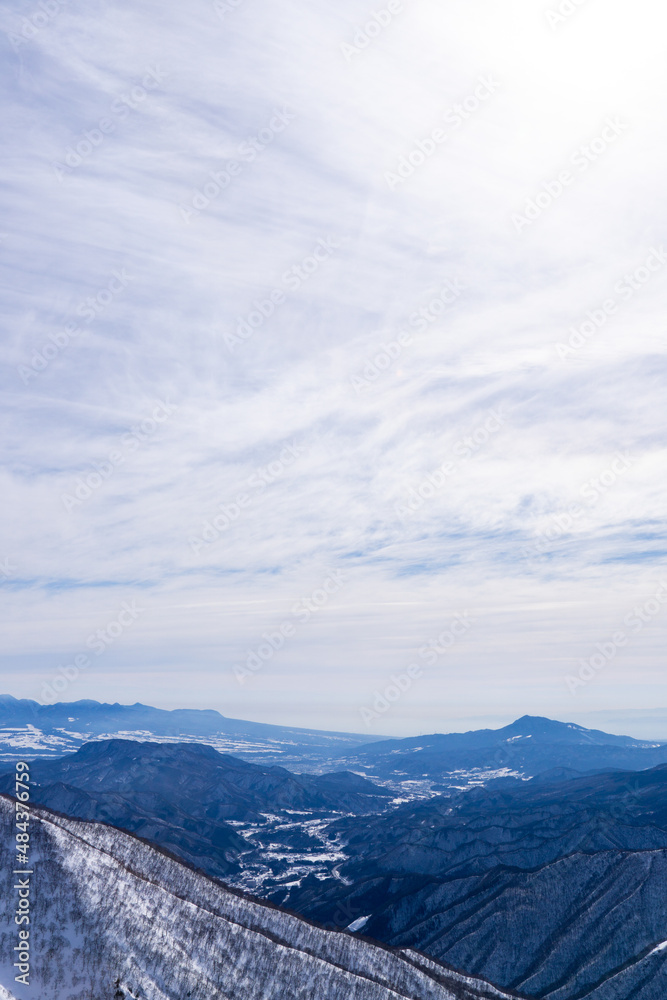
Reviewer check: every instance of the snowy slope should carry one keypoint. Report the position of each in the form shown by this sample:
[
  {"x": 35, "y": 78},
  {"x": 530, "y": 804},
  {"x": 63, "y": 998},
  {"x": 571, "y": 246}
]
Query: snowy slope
[{"x": 110, "y": 907}]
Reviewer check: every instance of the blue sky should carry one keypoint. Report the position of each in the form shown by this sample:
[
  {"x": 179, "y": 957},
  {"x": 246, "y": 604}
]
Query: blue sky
[{"x": 324, "y": 325}]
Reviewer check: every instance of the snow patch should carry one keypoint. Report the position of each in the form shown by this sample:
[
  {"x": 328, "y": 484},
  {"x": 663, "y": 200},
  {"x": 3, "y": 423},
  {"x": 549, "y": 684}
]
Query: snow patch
[{"x": 357, "y": 924}]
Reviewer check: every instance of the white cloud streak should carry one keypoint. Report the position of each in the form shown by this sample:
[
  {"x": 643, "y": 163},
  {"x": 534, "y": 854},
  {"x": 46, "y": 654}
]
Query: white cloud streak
[{"x": 165, "y": 336}]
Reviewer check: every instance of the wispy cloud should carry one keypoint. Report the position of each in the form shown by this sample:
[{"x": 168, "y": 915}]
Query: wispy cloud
[{"x": 122, "y": 128}]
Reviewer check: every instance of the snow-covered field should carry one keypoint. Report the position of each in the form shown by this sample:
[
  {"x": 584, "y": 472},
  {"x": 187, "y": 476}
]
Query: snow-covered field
[{"x": 29, "y": 742}]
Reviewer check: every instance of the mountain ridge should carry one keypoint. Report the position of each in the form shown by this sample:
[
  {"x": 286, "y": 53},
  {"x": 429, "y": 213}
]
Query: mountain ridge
[
  {"x": 526, "y": 747},
  {"x": 163, "y": 931},
  {"x": 28, "y": 728},
  {"x": 191, "y": 798},
  {"x": 11, "y": 708},
  {"x": 567, "y": 879},
  {"x": 525, "y": 726}
]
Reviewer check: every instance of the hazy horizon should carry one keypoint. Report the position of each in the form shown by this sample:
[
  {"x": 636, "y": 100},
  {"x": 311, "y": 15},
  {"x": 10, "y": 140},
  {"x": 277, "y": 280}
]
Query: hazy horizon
[{"x": 640, "y": 724}]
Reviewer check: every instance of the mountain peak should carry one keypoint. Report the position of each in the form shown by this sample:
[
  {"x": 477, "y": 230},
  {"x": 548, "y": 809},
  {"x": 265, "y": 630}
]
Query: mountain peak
[
  {"x": 542, "y": 724},
  {"x": 551, "y": 730},
  {"x": 543, "y": 720}
]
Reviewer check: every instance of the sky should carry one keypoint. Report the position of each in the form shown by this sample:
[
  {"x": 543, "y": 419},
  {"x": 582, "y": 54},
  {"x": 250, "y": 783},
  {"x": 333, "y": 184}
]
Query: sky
[{"x": 334, "y": 357}]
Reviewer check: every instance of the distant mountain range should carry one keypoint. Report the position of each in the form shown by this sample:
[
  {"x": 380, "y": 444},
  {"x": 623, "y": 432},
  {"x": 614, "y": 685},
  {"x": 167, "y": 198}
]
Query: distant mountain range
[
  {"x": 526, "y": 747},
  {"x": 552, "y": 886},
  {"x": 30, "y": 730},
  {"x": 113, "y": 917}
]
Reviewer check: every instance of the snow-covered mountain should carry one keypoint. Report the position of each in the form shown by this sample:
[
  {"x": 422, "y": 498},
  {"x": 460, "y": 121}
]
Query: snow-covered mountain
[
  {"x": 195, "y": 802},
  {"x": 113, "y": 917},
  {"x": 527, "y": 747},
  {"x": 554, "y": 887},
  {"x": 29, "y": 730},
  {"x": 415, "y": 765}
]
